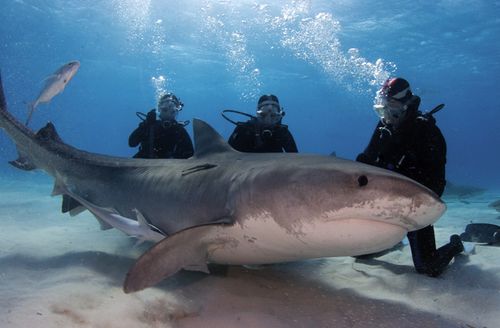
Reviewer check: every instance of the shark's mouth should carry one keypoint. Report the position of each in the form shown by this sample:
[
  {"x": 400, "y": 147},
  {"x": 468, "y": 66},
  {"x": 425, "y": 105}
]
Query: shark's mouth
[{"x": 400, "y": 212}]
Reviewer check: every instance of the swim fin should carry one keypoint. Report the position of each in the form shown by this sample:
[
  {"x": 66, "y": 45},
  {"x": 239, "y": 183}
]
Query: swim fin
[{"x": 482, "y": 233}]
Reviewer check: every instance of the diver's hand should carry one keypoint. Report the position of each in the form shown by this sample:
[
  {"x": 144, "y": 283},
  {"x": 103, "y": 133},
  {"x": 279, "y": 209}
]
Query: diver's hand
[{"x": 151, "y": 117}]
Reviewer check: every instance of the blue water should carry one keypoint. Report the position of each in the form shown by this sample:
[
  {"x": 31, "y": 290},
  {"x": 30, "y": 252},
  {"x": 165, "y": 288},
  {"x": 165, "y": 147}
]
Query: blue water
[{"x": 323, "y": 59}]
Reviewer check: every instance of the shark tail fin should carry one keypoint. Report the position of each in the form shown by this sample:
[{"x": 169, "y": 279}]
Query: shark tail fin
[{"x": 186, "y": 249}]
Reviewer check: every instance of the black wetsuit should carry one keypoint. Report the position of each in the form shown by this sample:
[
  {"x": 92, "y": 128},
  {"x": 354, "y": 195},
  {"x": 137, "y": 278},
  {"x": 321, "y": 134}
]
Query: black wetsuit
[
  {"x": 161, "y": 140},
  {"x": 417, "y": 149},
  {"x": 252, "y": 137}
]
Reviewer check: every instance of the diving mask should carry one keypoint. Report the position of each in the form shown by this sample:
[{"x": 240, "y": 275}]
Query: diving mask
[
  {"x": 169, "y": 106},
  {"x": 269, "y": 112},
  {"x": 391, "y": 111}
]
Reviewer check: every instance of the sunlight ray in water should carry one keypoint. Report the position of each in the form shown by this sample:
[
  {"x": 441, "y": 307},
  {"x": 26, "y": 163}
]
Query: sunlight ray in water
[
  {"x": 135, "y": 15},
  {"x": 315, "y": 39}
]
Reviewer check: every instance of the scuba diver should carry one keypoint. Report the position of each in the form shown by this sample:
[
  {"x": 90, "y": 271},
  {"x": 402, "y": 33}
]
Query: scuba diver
[
  {"x": 263, "y": 133},
  {"x": 163, "y": 138},
  {"x": 409, "y": 142}
]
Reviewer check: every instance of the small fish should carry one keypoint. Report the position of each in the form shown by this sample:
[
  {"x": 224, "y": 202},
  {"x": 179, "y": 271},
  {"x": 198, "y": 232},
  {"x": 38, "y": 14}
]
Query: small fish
[{"x": 54, "y": 85}]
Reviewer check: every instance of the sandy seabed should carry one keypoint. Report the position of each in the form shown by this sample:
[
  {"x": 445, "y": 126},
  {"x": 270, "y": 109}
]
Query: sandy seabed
[{"x": 62, "y": 271}]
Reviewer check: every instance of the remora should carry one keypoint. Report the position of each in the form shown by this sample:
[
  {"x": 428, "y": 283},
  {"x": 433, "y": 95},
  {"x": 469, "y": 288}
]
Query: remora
[{"x": 227, "y": 207}]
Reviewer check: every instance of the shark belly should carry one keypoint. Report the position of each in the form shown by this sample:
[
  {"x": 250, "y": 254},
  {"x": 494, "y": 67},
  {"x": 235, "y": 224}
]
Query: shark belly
[{"x": 263, "y": 241}]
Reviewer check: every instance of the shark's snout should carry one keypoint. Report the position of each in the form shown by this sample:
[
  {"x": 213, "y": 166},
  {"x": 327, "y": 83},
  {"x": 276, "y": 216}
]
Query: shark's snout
[
  {"x": 426, "y": 209},
  {"x": 403, "y": 202}
]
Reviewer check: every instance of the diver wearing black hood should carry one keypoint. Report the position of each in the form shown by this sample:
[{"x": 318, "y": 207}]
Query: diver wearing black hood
[
  {"x": 410, "y": 143},
  {"x": 163, "y": 138},
  {"x": 264, "y": 133}
]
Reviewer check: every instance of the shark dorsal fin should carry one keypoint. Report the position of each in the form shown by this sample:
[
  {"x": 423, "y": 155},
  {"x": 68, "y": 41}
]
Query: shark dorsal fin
[{"x": 207, "y": 141}]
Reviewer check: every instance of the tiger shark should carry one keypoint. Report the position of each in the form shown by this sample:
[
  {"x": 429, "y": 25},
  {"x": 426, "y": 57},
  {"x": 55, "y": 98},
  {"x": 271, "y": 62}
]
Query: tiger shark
[{"x": 227, "y": 207}]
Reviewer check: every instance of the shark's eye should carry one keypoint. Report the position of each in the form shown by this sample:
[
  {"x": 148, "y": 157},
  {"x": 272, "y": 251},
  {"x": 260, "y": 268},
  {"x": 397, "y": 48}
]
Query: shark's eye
[{"x": 362, "y": 180}]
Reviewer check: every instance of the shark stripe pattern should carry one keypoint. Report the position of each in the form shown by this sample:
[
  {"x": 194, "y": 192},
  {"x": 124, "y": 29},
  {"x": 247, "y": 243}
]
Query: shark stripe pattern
[{"x": 223, "y": 206}]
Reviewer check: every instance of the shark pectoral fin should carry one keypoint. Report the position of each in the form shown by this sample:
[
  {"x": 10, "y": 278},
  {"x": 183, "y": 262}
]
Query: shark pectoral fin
[{"x": 186, "y": 249}]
